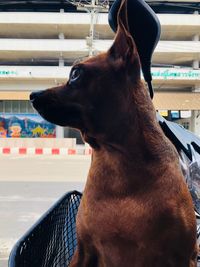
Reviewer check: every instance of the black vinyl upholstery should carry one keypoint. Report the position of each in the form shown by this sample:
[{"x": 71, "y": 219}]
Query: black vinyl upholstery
[{"x": 145, "y": 29}]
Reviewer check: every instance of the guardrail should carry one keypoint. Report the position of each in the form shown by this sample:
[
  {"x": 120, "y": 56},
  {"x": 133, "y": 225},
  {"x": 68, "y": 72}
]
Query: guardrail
[{"x": 42, "y": 146}]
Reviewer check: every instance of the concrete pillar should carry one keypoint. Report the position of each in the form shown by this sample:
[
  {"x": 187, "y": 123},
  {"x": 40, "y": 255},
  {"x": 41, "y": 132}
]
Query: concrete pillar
[
  {"x": 59, "y": 132},
  {"x": 195, "y": 120},
  {"x": 61, "y": 62},
  {"x": 196, "y": 88},
  {"x": 61, "y": 36},
  {"x": 195, "y": 63}
]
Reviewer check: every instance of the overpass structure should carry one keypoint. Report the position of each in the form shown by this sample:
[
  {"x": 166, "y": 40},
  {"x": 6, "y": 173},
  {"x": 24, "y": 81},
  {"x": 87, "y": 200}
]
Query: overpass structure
[{"x": 38, "y": 48}]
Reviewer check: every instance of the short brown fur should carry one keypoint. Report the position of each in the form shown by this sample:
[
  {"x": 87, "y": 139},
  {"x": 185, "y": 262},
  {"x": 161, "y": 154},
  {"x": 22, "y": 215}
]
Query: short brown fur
[{"x": 136, "y": 210}]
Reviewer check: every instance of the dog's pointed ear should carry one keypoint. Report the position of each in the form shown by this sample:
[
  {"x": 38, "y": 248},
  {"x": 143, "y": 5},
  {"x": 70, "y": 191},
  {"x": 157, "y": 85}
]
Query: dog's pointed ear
[{"x": 123, "y": 48}]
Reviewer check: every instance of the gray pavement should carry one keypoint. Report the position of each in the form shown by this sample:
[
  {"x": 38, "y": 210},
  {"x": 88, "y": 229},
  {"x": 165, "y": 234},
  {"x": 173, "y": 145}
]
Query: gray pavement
[{"x": 29, "y": 186}]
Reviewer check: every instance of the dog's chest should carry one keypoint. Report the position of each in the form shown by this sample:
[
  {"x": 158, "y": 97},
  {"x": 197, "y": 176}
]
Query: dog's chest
[{"x": 108, "y": 219}]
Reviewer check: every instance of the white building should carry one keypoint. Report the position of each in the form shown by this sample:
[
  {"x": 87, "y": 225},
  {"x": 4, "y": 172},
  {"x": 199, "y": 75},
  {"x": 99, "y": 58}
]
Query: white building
[{"x": 37, "y": 49}]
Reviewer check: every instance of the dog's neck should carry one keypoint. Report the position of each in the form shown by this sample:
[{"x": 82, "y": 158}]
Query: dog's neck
[
  {"x": 138, "y": 134},
  {"x": 135, "y": 151}
]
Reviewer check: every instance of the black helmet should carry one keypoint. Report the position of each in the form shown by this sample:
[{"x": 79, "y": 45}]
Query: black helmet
[{"x": 145, "y": 29}]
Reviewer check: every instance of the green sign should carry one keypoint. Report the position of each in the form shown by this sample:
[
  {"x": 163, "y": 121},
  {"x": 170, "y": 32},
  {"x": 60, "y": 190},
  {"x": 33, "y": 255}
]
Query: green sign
[
  {"x": 173, "y": 74},
  {"x": 8, "y": 72}
]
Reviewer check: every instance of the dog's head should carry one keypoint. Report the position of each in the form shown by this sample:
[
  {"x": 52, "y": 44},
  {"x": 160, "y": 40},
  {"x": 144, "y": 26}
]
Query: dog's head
[{"x": 98, "y": 97}]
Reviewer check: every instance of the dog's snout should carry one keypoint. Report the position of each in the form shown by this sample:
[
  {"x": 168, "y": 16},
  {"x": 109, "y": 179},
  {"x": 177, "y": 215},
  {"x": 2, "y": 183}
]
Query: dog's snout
[{"x": 35, "y": 95}]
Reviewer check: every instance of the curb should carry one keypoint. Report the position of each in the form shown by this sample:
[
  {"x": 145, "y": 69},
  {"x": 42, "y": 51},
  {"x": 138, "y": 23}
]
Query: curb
[{"x": 44, "y": 151}]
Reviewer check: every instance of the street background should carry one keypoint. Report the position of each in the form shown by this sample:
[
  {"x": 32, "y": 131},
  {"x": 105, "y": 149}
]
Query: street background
[{"x": 29, "y": 185}]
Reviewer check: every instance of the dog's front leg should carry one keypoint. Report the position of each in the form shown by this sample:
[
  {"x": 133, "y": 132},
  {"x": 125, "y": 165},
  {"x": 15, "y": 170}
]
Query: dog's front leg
[
  {"x": 83, "y": 257},
  {"x": 76, "y": 259}
]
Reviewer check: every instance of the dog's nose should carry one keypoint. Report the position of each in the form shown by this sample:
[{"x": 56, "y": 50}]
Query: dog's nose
[{"x": 35, "y": 95}]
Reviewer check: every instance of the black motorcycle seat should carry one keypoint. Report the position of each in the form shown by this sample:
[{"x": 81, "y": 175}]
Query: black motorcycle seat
[
  {"x": 145, "y": 29},
  {"x": 179, "y": 136}
]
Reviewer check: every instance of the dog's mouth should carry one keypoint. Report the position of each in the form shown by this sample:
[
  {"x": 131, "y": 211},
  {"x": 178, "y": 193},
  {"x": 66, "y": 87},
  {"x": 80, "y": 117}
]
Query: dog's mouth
[
  {"x": 62, "y": 114},
  {"x": 37, "y": 104}
]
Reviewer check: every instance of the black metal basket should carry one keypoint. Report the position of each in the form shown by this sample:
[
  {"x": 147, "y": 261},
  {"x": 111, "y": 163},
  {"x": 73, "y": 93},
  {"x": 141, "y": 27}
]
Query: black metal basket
[{"x": 51, "y": 242}]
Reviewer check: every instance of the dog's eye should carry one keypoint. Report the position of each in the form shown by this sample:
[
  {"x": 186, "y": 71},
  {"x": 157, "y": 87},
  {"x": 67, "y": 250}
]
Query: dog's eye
[{"x": 75, "y": 75}]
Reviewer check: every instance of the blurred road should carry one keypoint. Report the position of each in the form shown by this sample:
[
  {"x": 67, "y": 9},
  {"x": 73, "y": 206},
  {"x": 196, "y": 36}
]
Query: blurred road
[{"x": 29, "y": 185}]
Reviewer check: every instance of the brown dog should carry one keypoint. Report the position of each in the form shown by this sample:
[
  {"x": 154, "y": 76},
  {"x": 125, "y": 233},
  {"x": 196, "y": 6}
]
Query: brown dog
[{"x": 136, "y": 209}]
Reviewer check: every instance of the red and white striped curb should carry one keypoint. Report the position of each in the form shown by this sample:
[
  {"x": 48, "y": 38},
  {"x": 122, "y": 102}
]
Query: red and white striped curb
[{"x": 44, "y": 151}]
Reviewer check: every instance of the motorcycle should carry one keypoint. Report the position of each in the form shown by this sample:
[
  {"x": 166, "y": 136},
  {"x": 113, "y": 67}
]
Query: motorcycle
[{"x": 51, "y": 242}]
